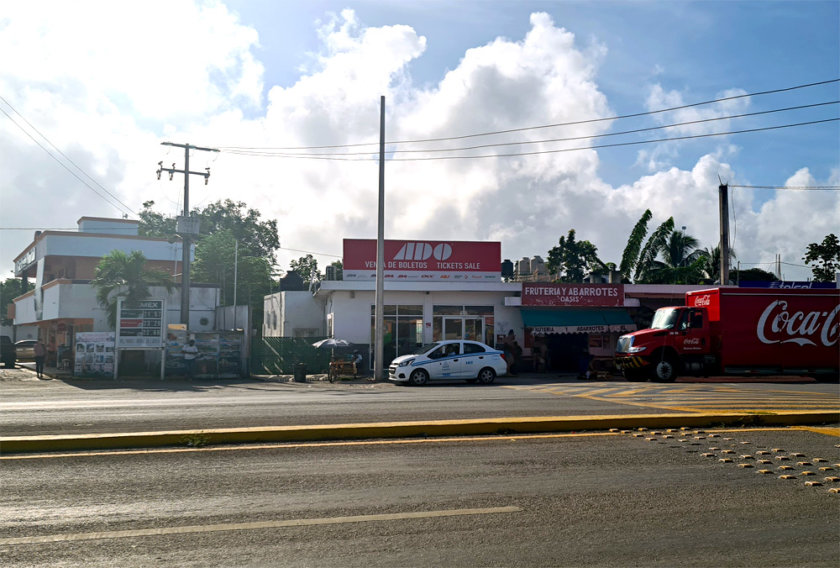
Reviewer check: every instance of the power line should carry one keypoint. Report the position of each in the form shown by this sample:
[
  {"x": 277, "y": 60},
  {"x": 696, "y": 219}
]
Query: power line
[
  {"x": 795, "y": 188},
  {"x": 568, "y": 139},
  {"x": 125, "y": 207},
  {"x": 573, "y": 123},
  {"x": 540, "y": 152}
]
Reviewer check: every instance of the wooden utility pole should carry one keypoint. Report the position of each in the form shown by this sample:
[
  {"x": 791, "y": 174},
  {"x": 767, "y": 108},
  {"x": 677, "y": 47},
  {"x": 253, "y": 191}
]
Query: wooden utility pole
[{"x": 186, "y": 227}]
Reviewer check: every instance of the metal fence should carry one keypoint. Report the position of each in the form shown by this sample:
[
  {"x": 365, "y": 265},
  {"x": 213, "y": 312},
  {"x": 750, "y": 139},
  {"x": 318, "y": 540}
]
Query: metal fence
[{"x": 280, "y": 355}]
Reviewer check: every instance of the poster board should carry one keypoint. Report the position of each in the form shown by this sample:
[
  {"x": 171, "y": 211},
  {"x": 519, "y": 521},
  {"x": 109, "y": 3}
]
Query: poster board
[{"x": 94, "y": 354}]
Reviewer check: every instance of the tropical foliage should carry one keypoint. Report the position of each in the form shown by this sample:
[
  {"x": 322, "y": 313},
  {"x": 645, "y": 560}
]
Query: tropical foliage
[
  {"x": 126, "y": 275},
  {"x": 10, "y": 289},
  {"x": 826, "y": 257},
  {"x": 307, "y": 268},
  {"x": 571, "y": 259}
]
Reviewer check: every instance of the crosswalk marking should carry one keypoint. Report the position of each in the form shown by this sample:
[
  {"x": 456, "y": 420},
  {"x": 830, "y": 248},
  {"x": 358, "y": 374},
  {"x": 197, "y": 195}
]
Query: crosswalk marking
[{"x": 693, "y": 398}]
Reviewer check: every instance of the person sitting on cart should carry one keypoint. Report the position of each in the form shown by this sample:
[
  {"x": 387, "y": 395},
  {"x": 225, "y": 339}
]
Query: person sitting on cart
[{"x": 356, "y": 359}]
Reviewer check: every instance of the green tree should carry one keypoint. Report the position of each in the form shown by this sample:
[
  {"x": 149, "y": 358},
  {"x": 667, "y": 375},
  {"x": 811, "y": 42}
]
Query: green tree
[
  {"x": 630, "y": 257},
  {"x": 682, "y": 261},
  {"x": 711, "y": 263},
  {"x": 121, "y": 274},
  {"x": 754, "y": 275},
  {"x": 259, "y": 237},
  {"x": 647, "y": 256},
  {"x": 10, "y": 289},
  {"x": 241, "y": 273},
  {"x": 571, "y": 259},
  {"x": 307, "y": 268},
  {"x": 826, "y": 257},
  {"x": 154, "y": 224}
]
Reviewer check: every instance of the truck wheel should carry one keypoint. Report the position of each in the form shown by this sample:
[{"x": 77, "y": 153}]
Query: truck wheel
[{"x": 666, "y": 370}]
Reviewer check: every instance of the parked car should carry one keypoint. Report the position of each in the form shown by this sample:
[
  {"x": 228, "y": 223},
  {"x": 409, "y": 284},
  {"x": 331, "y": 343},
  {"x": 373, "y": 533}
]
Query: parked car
[
  {"x": 7, "y": 351},
  {"x": 448, "y": 360},
  {"x": 25, "y": 349}
]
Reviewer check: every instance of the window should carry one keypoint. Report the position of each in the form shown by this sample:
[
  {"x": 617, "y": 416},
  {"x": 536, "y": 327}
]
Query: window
[{"x": 472, "y": 348}]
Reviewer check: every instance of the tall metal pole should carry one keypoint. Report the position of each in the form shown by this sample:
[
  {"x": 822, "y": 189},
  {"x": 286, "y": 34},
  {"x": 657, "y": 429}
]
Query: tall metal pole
[
  {"x": 723, "y": 199},
  {"x": 235, "y": 277},
  {"x": 379, "y": 311}
]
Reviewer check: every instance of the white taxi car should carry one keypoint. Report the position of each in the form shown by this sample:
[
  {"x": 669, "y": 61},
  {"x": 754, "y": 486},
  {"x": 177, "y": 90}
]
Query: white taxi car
[{"x": 448, "y": 360}]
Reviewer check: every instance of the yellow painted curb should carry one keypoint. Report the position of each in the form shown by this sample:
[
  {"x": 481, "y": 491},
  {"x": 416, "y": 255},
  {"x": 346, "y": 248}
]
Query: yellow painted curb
[{"x": 431, "y": 428}]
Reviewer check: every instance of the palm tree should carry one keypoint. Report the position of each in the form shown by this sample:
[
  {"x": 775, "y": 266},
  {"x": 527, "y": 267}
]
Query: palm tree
[
  {"x": 682, "y": 261},
  {"x": 121, "y": 274},
  {"x": 655, "y": 243},
  {"x": 634, "y": 244},
  {"x": 711, "y": 264}
]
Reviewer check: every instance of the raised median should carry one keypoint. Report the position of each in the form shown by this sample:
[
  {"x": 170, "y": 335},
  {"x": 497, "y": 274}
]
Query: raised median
[{"x": 426, "y": 428}]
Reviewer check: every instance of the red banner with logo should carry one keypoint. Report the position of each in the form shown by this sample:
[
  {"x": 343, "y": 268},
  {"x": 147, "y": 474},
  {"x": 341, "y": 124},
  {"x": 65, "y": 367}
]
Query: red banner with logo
[
  {"x": 424, "y": 260},
  {"x": 583, "y": 295}
]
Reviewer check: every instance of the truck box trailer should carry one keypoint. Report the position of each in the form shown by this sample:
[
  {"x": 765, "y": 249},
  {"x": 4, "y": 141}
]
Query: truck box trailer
[{"x": 753, "y": 331}]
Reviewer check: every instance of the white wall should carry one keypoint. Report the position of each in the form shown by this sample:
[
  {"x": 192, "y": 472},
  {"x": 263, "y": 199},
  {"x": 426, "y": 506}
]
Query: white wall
[
  {"x": 351, "y": 310},
  {"x": 78, "y": 301},
  {"x": 293, "y": 314}
]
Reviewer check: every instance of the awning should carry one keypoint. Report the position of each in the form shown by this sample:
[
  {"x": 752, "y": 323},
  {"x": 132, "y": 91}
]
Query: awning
[{"x": 577, "y": 321}]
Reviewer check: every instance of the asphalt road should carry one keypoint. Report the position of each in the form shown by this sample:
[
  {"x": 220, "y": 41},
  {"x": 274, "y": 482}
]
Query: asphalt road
[
  {"x": 32, "y": 407},
  {"x": 569, "y": 500}
]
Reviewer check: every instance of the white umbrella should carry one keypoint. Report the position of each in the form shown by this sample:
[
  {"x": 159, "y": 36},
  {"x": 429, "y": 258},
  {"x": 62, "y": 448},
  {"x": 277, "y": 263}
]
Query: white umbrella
[{"x": 331, "y": 343}]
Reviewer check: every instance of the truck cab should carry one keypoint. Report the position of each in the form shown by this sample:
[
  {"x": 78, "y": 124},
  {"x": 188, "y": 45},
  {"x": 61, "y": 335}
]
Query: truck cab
[{"x": 680, "y": 339}]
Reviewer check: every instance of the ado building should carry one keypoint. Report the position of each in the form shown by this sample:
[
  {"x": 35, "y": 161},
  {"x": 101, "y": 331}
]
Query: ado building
[{"x": 454, "y": 290}]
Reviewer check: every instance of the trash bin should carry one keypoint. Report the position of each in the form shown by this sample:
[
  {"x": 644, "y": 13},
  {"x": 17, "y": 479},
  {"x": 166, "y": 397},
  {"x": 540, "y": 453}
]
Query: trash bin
[{"x": 300, "y": 373}]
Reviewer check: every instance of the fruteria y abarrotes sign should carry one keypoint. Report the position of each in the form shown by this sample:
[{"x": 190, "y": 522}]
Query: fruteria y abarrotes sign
[
  {"x": 424, "y": 260},
  {"x": 580, "y": 295}
]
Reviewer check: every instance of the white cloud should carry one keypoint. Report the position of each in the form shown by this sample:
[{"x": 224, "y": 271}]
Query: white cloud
[{"x": 107, "y": 93}]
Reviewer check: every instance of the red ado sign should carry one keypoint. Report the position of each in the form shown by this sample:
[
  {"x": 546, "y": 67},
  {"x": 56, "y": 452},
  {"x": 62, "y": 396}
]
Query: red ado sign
[
  {"x": 582, "y": 295},
  {"x": 424, "y": 260}
]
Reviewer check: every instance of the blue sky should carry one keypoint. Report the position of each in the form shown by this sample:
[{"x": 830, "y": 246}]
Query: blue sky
[{"x": 281, "y": 73}]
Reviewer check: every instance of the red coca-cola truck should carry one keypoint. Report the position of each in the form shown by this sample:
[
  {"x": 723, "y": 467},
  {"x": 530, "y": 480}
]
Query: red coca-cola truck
[{"x": 754, "y": 331}]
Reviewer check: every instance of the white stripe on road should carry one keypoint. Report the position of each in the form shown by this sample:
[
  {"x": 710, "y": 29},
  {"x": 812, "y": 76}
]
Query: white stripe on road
[{"x": 74, "y": 537}]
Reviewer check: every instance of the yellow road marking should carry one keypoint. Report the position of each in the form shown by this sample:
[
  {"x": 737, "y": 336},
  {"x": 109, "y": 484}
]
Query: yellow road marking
[
  {"x": 260, "y": 525},
  {"x": 827, "y": 431},
  {"x": 695, "y": 398}
]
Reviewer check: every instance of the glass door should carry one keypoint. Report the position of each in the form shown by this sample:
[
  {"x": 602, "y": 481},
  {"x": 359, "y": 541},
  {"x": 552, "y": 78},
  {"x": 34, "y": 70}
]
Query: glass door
[
  {"x": 460, "y": 327},
  {"x": 453, "y": 327}
]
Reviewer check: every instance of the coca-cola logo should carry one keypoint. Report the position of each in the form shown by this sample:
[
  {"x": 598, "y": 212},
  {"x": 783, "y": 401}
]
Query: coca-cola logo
[
  {"x": 705, "y": 300},
  {"x": 778, "y": 325}
]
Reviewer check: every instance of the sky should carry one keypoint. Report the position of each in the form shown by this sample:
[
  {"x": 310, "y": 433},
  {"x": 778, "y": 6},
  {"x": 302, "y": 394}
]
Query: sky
[{"x": 90, "y": 90}]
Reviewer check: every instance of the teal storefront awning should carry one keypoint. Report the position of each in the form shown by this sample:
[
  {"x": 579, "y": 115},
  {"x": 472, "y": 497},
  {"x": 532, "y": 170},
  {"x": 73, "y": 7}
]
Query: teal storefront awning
[{"x": 577, "y": 321}]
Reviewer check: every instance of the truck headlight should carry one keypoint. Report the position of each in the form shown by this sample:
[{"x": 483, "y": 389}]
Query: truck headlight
[
  {"x": 406, "y": 363},
  {"x": 633, "y": 349}
]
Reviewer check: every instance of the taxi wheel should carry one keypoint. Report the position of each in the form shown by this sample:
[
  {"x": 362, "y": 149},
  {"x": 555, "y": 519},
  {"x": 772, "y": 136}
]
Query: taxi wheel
[
  {"x": 419, "y": 377},
  {"x": 486, "y": 376}
]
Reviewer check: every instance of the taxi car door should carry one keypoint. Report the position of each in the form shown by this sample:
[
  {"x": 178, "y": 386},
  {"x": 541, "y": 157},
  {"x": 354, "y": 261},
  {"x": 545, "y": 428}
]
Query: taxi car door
[{"x": 446, "y": 362}]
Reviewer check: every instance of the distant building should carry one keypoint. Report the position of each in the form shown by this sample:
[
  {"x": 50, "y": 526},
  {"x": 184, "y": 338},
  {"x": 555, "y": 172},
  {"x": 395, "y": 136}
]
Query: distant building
[{"x": 62, "y": 263}]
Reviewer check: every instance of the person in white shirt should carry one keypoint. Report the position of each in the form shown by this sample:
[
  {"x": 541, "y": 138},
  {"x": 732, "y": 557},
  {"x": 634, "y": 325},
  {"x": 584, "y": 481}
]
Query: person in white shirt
[{"x": 190, "y": 352}]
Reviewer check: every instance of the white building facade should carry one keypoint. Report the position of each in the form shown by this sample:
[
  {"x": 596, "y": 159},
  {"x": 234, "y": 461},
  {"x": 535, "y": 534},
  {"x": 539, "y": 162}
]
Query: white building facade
[{"x": 62, "y": 263}]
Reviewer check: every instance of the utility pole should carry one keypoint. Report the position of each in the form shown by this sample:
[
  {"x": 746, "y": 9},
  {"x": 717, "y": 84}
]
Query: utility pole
[
  {"x": 186, "y": 227},
  {"x": 723, "y": 199},
  {"x": 379, "y": 309}
]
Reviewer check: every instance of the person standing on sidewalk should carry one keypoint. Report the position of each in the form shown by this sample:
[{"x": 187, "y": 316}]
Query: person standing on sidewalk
[
  {"x": 190, "y": 352},
  {"x": 40, "y": 354}
]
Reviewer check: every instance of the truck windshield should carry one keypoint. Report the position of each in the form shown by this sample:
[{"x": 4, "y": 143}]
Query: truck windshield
[{"x": 665, "y": 318}]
